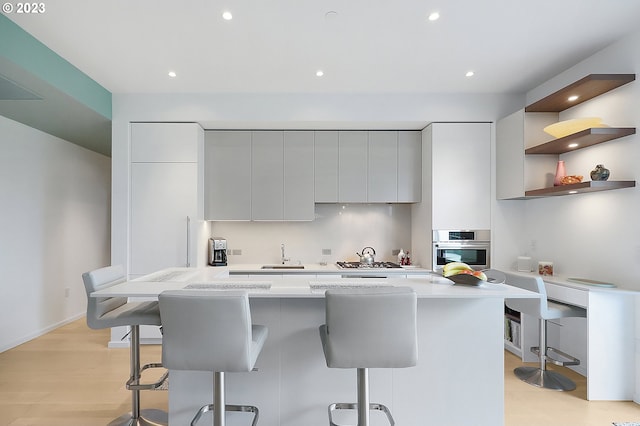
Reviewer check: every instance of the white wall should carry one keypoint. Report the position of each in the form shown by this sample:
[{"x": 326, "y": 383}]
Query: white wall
[
  {"x": 345, "y": 229},
  {"x": 55, "y": 199}
]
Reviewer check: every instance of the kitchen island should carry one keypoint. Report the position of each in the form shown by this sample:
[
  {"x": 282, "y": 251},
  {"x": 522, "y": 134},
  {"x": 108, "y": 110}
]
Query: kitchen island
[{"x": 459, "y": 379}]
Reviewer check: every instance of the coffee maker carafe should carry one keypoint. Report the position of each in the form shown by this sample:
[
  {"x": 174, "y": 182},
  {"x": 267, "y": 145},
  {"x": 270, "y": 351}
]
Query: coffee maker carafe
[{"x": 217, "y": 251}]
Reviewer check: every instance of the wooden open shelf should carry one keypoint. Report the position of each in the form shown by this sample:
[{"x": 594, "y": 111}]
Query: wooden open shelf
[
  {"x": 586, "y": 88},
  {"x": 583, "y": 138},
  {"x": 578, "y": 188}
]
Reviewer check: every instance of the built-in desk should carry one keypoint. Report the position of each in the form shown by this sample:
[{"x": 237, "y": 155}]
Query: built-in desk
[
  {"x": 459, "y": 379},
  {"x": 604, "y": 341}
]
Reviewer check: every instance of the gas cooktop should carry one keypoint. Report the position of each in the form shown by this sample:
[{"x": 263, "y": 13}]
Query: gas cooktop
[{"x": 374, "y": 265}]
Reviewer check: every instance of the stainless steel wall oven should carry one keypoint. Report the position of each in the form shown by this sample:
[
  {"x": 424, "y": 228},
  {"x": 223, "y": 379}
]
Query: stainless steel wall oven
[{"x": 470, "y": 246}]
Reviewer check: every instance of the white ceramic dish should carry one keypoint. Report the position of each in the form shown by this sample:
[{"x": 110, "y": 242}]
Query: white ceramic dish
[{"x": 569, "y": 127}]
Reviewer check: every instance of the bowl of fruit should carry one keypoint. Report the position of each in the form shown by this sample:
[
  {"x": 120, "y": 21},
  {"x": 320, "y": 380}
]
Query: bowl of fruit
[{"x": 463, "y": 274}]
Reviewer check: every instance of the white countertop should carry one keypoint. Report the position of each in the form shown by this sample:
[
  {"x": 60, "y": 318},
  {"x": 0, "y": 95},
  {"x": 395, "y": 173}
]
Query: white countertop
[
  {"x": 431, "y": 287},
  {"x": 563, "y": 281}
]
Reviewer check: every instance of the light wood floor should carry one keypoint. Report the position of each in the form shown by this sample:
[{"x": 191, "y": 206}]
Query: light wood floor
[{"x": 69, "y": 378}]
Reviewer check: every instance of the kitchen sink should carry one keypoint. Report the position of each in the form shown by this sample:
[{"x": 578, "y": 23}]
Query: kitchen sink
[{"x": 283, "y": 267}]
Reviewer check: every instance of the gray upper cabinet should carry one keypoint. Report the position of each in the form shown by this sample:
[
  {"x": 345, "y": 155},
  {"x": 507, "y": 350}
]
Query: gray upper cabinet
[
  {"x": 368, "y": 166},
  {"x": 259, "y": 175},
  {"x": 326, "y": 166},
  {"x": 382, "y": 176},
  {"x": 227, "y": 175},
  {"x": 298, "y": 175},
  {"x": 409, "y": 166},
  {"x": 352, "y": 166},
  {"x": 267, "y": 175}
]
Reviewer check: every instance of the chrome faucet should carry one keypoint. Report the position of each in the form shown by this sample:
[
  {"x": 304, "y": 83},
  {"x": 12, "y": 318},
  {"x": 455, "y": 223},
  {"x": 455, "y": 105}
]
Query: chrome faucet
[{"x": 284, "y": 259}]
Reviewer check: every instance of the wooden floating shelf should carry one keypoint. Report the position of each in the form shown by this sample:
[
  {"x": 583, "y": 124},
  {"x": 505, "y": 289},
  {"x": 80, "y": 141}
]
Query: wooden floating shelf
[
  {"x": 579, "y": 188},
  {"x": 583, "y": 138},
  {"x": 586, "y": 88}
]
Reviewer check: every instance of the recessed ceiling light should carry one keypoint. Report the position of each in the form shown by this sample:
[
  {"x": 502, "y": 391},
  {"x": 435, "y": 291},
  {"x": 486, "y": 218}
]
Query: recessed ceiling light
[
  {"x": 573, "y": 98},
  {"x": 469, "y": 74},
  {"x": 434, "y": 16},
  {"x": 572, "y": 145},
  {"x": 572, "y": 192},
  {"x": 227, "y": 16},
  {"x": 172, "y": 74},
  {"x": 319, "y": 73}
]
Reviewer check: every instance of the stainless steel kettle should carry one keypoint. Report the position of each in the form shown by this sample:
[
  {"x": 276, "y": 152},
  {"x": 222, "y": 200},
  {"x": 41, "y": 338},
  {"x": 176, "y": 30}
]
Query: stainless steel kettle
[{"x": 367, "y": 257}]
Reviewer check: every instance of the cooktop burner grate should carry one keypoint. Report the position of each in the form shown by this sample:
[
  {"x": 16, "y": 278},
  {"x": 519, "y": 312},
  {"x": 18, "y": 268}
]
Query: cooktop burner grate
[{"x": 374, "y": 265}]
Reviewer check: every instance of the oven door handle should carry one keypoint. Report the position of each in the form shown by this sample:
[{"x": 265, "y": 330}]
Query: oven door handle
[{"x": 461, "y": 245}]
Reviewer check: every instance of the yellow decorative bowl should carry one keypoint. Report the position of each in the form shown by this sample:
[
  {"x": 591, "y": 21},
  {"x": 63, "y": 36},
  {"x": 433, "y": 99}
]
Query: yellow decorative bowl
[{"x": 569, "y": 127}]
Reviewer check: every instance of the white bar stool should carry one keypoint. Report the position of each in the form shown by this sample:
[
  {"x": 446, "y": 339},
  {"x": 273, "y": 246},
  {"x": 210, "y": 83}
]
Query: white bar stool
[
  {"x": 544, "y": 310},
  {"x": 107, "y": 312},
  {"x": 208, "y": 330},
  {"x": 369, "y": 328}
]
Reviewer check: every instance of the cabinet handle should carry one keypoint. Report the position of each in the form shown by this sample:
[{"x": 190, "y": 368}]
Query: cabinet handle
[{"x": 188, "y": 240}]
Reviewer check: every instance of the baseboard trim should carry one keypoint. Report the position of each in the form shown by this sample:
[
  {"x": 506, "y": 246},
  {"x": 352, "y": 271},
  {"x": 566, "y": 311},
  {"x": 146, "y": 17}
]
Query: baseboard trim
[{"x": 41, "y": 332}]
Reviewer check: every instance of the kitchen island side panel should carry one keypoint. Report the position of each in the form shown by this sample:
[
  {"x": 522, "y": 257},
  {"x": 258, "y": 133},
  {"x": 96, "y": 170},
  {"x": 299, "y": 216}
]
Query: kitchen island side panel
[{"x": 460, "y": 364}]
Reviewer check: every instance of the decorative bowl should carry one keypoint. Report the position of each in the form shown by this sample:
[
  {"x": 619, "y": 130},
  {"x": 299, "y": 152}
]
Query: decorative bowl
[
  {"x": 571, "y": 179},
  {"x": 569, "y": 127}
]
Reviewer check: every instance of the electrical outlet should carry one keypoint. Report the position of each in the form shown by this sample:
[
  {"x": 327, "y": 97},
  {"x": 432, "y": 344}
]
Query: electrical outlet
[
  {"x": 395, "y": 252},
  {"x": 534, "y": 245},
  {"x": 67, "y": 291},
  {"x": 237, "y": 252},
  {"x": 326, "y": 252}
]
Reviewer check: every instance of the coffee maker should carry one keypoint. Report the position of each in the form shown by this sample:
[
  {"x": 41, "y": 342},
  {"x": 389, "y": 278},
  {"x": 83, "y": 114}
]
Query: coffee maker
[{"x": 217, "y": 251}]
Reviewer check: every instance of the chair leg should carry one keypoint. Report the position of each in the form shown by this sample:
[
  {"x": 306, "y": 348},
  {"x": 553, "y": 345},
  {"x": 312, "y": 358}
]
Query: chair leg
[
  {"x": 363, "y": 406},
  {"x": 540, "y": 376},
  {"x": 136, "y": 417},
  {"x": 219, "y": 399},
  {"x": 363, "y": 397},
  {"x": 219, "y": 415}
]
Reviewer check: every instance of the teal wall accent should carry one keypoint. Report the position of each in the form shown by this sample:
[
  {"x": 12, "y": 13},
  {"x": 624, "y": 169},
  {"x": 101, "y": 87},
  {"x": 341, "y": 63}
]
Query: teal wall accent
[{"x": 24, "y": 50}]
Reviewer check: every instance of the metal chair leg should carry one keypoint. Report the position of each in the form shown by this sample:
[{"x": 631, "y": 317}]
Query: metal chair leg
[
  {"x": 219, "y": 416},
  {"x": 363, "y": 406},
  {"x": 139, "y": 417},
  {"x": 540, "y": 376}
]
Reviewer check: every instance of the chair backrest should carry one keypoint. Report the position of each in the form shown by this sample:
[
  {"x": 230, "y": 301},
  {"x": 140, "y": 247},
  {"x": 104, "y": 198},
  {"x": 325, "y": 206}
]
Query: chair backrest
[
  {"x": 534, "y": 307},
  {"x": 371, "y": 327},
  {"x": 206, "y": 330},
  {"x": 97, "y": 307}
]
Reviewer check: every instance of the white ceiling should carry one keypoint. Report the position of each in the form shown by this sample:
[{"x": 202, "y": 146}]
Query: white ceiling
[{"x": 368, "y": 46}]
